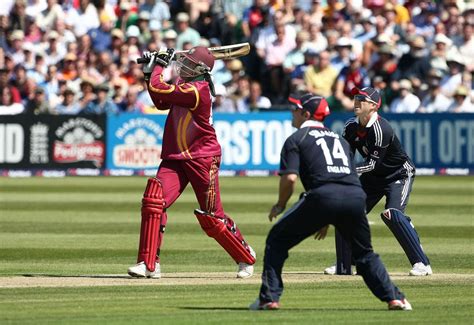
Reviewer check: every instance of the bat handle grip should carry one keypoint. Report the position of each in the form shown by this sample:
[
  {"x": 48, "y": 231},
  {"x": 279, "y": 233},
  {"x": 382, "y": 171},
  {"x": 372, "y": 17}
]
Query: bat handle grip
[
  {"x": 143, "y": 60},
  {"x": 146, "y": 60}
]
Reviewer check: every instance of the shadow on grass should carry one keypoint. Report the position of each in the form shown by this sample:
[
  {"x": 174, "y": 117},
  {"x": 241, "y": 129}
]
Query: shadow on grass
[
  {"x": 284, "y": 309},
  {"x": 92, "y": 276}
]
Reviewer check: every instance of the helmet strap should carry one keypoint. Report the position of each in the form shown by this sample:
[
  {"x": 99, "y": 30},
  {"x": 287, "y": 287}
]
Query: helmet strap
[{"x": 208, "y": 78}]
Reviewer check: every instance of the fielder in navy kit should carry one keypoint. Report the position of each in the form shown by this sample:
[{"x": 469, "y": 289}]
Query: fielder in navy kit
[
  {"x": 333, "y": 196},
  {"x": 386, "y": 171}
]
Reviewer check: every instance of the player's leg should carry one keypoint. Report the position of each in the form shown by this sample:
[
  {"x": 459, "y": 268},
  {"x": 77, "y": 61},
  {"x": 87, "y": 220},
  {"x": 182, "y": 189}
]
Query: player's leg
[
  {"x": 161, "y": 191},
  {"x": 298, "y": 223},
  {"x": 402, "y": 228},
  {"x": 353, "y": 225},
  {"x": 343, "y": 247},
  {"x": 203, "y": 175}
]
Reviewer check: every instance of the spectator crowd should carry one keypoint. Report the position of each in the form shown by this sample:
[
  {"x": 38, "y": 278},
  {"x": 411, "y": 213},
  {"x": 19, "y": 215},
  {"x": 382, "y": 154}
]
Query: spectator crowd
[{"x": 79, "y": 56}]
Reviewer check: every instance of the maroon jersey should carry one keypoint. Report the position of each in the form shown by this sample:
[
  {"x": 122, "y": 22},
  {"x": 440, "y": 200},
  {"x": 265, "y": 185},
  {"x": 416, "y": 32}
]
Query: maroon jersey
[{"x": 188, "y": 131}]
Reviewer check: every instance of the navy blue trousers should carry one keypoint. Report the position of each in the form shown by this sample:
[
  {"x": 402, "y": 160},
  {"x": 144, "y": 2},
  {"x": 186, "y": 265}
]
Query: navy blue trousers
[{"x": 342, "y": 206}]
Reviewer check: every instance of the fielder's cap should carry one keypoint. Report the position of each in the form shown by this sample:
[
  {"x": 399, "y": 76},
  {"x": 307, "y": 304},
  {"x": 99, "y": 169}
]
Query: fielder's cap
[
  {"x": 170, "y": 34},
  {"x": 370, "y": 94},
  {"x": 132, "y": 31},
  {"x": 317, "y": 106},
  {"x": 182, "y": 17}
]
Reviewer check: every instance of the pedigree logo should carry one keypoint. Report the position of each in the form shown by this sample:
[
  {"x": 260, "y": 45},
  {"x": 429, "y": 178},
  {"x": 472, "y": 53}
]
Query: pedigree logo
[
  {"x": 141, "y": 144},
  {"x": 79, "y": 139}
]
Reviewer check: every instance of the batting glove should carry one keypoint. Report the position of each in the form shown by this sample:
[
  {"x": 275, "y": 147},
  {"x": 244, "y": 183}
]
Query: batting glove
[
  {"x": 165, "y": 56},
  {"x": 150, "y": 65}
]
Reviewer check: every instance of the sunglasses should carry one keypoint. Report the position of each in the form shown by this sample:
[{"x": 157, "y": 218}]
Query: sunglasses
[{"x": 362, "y": 98}]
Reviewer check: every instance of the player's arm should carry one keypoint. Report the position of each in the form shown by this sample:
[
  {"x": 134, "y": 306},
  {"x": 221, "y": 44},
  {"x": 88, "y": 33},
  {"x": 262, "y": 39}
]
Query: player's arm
[
  {"x": 289, "y": 170},
  {"x": 349, "y": 134},
  {"x": 377, "y": 144},
  {"x": 163, "y": 93},
  {"x": 286, "y": 189}
]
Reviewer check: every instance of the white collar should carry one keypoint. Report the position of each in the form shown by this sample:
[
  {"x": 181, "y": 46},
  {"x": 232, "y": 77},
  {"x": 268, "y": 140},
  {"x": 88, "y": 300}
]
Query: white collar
[
  {"x": 372, "y": 120},
  {"x": 311, "y": 123}
]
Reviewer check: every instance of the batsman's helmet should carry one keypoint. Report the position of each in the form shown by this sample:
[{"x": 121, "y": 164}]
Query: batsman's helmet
[{"x": 198, "y": 61}]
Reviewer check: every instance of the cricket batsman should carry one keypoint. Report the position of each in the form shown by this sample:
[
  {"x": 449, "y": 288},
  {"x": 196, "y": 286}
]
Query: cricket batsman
[{"x": 190, "y": 154}]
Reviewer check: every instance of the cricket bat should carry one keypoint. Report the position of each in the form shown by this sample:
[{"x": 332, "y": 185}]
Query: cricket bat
[{"x": 224, "y": 52}]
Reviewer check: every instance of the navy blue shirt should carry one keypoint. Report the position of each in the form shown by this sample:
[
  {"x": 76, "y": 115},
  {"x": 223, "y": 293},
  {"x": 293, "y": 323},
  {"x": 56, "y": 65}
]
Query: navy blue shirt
[
  {"x": 379, "y": 146},
  {"x": 319, "y": 156}
]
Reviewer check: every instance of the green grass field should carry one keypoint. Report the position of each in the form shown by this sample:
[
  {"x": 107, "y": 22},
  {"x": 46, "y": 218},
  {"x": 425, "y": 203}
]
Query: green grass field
[{"x": 65, "y": 245}]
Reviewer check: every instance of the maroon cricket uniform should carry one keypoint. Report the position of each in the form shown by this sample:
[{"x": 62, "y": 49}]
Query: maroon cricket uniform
[
  {"x": 189, "y": 133},
  {"x": 190, "y": 154},
  {"x": 190, "y": 151}
]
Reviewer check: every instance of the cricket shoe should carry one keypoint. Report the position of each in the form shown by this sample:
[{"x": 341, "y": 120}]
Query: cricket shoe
[
  {"x": 399, "y": 305},
  {"x": 270, "y": 305},
  {"x": 330, "y": 270},
  {"x": 139, "y": 270},
  {"x": 420, "y": 269},
  {"x": 246, "y": 270}
]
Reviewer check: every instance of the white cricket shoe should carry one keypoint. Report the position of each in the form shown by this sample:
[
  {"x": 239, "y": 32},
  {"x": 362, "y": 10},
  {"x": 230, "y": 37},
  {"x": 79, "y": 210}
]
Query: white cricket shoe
[
  {"x": 420, "y": 269},
  {"x": 139, "y": 270},
  {"x": 330, "y": 270},
  {"x": 246, "y": 270},
  {"x": 399, "y": 305}
]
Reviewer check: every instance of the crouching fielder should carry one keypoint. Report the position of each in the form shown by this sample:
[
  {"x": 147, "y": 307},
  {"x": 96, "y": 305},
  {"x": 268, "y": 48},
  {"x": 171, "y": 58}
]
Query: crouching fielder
[
  {"x": 386, "y": 171},
  {"x": 333, "y": 196},
  {"x": 190, "y": 154}
]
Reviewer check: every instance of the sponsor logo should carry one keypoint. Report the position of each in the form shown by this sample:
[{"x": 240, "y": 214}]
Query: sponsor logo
[
  {"x": 79, "y": 140},
  {"x": 386, "y": 214},
  {"x": 141, "y": 147}
]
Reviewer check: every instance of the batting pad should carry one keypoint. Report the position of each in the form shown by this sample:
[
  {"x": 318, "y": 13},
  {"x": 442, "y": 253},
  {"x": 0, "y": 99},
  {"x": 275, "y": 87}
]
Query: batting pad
[
  {"x": 226, "y": 233},
  {"x": 150, "y": 234},
  {"x": 403, "y": 229}
]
